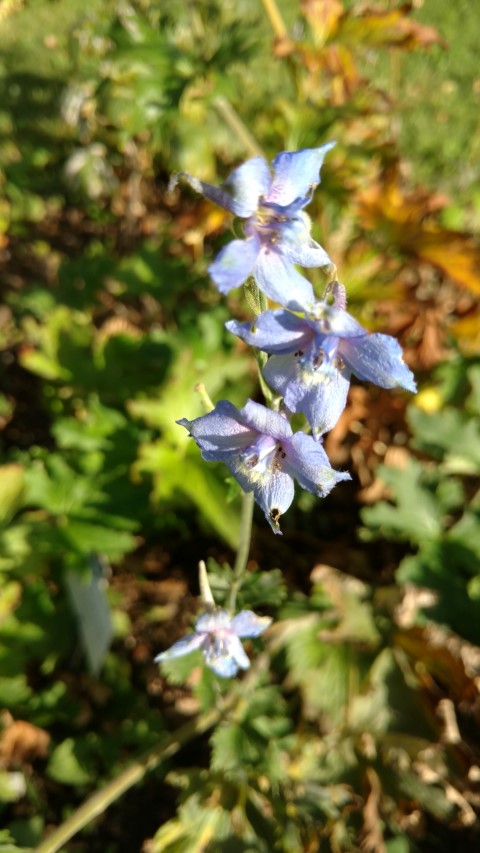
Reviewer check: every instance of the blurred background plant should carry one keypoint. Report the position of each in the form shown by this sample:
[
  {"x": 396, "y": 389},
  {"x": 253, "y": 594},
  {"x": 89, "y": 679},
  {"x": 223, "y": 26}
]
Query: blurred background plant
[{"x": 364, "y": 733}]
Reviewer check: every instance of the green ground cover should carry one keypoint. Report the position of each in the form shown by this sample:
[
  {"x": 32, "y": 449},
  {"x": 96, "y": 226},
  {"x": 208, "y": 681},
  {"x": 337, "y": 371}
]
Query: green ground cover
[{"x": 361, "y": 727}]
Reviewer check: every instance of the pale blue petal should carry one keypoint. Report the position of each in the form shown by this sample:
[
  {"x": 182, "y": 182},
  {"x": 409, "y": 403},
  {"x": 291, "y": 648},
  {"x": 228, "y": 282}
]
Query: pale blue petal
[
  {"x": 278, "y": 279},
  {"x": 247, "y": 184},
  {"x": 319, "y": 394},
  {"x": 238, "y": 653},
  {"x": 209, "y": 623},
  {"x": 234, "y": 263},
  {"x": 274, "y": 494},
  {"x": 242, "y": 189},
  {"x": 378, "y": 358},
  {"x": 296, "y": 174},
  {"x": 280, "y": 371},
  {"x": 265, "y": 421},
  {"x": 183, "y": 647},
  {"x": 224, "y": 665},
  {"x": 305, "y": 253},
  {"x": 308, "y": 463},
  {"x": 274, "y": 331},
  {"x": 220, "y": 431},
  {"x": 248, "y": 624}
]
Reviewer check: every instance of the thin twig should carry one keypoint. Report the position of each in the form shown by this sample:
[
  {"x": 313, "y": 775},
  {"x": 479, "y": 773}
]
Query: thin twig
[
  {"x": 235, "y": 123},
  {"x": 275, "y": 18}
]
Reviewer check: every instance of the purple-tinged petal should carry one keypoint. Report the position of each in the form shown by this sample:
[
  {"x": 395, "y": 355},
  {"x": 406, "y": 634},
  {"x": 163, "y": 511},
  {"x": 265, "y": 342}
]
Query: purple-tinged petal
[
  {"x": 241, "y": 191},
  {"x": 247, "y": 184},
  {"x": 308, "y": 463},
  {"x": 265, "y": 421},
  {"x": 296, "y": 174},
  {"x": 328, "y": 320},
  {"x": 278, "y": 279},
  {"x": 234, "y": 263},
  {"x": 337, "y": 291},
  {"x": 216, "y": 194},
  {"x": 220, "y": 431},
  {"x": 378, "y": 358},
  {"x": 274, "y": 331},
  {"x": 248, "y": 624},
  {"x": 183, "y": 647}
]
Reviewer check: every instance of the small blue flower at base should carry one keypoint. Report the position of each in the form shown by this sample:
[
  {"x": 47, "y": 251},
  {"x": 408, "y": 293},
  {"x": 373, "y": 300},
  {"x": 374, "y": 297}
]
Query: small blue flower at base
[
  {"x": 218, "y": 636},
  {"x": 277, "y": 230},
  {"x": 313, "y": 356},
  {"x": 264, "y": 455}
]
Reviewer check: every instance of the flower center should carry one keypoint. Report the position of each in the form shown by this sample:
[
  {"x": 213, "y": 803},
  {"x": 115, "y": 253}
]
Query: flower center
[
  {"x": 216, "y": 645},
  {"x": 260, "y": 455}
]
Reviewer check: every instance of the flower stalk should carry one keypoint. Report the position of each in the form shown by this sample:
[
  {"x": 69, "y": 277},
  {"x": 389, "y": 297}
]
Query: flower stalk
[
  {"x": 243, "y": 550},
  {"x": 152, "y": 759}
]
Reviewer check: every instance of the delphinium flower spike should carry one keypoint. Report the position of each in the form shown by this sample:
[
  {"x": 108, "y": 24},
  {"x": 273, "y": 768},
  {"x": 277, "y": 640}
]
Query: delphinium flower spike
[
  {"x": 264, "y": 455},
  {"x": 277, "y": 230},
  {"x": 313, "y": 355}
]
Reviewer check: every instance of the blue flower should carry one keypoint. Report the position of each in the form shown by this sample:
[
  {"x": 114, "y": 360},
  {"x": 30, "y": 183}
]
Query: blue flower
[
  {"x": 313, "y": 356},
  {"x": 218, "y": 636},
  {"x": 263, "y": 454},
  {"x": 276, "y": 228}
]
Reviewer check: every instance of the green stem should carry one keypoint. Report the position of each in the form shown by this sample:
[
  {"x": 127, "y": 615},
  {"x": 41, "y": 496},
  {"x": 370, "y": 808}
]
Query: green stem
[
  {"x": 243, "y": 546},
  {"x": 204, "y": 397},
  {"x": 235, "y": 123},
  {"x": 98, "y": 802},
  {"x": 275, "y": 18}
]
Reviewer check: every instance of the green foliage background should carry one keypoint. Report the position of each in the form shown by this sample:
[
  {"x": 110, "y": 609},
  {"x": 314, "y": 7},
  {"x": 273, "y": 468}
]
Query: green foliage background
[{"x": 360, "y": 731}]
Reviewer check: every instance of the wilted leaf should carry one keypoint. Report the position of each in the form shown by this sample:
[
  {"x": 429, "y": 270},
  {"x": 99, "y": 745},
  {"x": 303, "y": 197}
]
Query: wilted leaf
[{"x": 407, "y": 220}]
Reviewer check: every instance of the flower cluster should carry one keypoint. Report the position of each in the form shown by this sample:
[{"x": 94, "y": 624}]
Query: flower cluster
[{"x": 314, "y": 347}]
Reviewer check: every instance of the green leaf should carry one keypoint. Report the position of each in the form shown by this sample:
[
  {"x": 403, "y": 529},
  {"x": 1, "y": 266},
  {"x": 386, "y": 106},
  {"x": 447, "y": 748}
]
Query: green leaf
[
  {"x": 7, "y": 844},
  {"x": 231, "y": 749},
  {"x": 258, "y": 588},
  {"x": 67, "y": 764},
  {"x": 417, "y": 515},
  {"x": 399, "y": 844},
  {"x": 12, "y": 488},
  {"x": 174, "y": 472},
  {"x": 85, "y": 538},
  {"x": 178, "y": 670},
  {"x": 449, "y": 435},
  {"x": 14, "y": 691},
  {"x": 457, "y": 605},
  {"x": 12, "y": 787}
]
